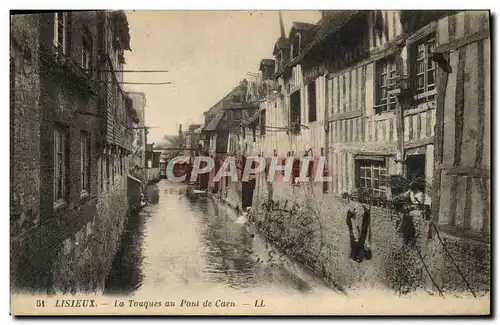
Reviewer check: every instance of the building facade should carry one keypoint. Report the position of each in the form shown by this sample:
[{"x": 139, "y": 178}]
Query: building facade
[
  {"x": 76, "y": 148},
  {"x": 387, "y": 97}
]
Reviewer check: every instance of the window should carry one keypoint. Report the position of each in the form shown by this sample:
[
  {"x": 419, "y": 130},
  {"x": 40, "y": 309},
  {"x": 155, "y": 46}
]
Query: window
[
  {"x": 295, "y": 112},
  {"x": 84, "y": 162},
  {"x": 61, "y": 31},
  {"x": 386, "y": 81},
  {"x": 87, "y": 52},
  {"x": 263, "y": 122},
  {"x": 60, "y": 163},
  {"x": 371, "y": 176},
  {"x": 425, "y": 69},
  {"x": 311, "y": 93}
]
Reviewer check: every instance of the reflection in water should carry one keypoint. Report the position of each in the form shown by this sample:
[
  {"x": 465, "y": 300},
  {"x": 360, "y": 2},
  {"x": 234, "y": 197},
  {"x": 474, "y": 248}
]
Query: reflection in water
[{"x": 187, "y": 240}]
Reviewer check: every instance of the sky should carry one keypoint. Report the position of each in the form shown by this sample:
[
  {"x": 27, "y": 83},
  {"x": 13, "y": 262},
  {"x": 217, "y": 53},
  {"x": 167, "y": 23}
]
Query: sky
[{"x": 206, "y": 52}]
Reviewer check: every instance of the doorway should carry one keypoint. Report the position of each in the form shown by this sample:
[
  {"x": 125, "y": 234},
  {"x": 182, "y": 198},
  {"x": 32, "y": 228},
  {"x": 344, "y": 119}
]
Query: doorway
[{"x": 415, "y": 167}]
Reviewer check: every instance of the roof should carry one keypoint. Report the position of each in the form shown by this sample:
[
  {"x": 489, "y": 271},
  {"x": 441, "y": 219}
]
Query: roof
[
  {"x": 330, "y": 24},
  {"x": 212, "y": 125},
  {"x": 266, "y": 62},
  {"x": 301, "y": 27},
  {"x": 217, "y": 110},
  {"x": 281, "y": 43}
]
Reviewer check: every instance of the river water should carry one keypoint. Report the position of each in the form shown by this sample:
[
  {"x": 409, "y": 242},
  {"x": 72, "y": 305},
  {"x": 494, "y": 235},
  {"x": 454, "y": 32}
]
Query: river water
[{"x": 193, "y": 243}]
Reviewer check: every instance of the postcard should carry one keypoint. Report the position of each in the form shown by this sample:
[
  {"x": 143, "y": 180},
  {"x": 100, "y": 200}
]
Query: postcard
[{"x": 328, "y": 162}]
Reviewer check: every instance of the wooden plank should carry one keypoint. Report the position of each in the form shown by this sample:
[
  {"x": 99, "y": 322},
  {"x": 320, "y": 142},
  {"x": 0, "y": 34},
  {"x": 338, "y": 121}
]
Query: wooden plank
[
  {"x": 335, "y": 95},
  {"x": 415, "y": 127},
  {"x": 466, "y": 22},
  {"x": 337, "y": 131},
  {"x": 419, "y": 142},
  {"x": 406, "y": 129},
  {"x": 452, "y": 26},
  {"x": 346, "y": 115},
  {"x": 452, "y": 203},
  {"x": 471, "y": 139},
  {"x": 342, "y": 93},
  {"x": 355, "y": 129},
  {"x": 460, "y": 25},
  {"x": 362, "y": 85},
  {"x": 411, "y": 132},
  {"x": 351, "y": 130},
  {"x": 346, "y": 173},
  {"x": 418, "y": 128},
  {"x": 362, "y": 127},
  {"x": 382, "y": 129},
  {"x": 443, "y": 81},
  {"x": 442, "y": 31},
  {"x": 423, "y": 125},
  {"x": 341, "y": 172},
  {"x": 385, "y": 34},
  {"x": 346, "y": 130},
  {"x": 353, "y": 171},
  {"x": 333, "y": 172},
  {"x": 390, "y": 130},
  {"x": 369, "y": 89},
  {"x": 429, "y": 164},
  {"x": 485, "y": 162},
  {"x": 461, "y": 200},
  {"x": 444, "y": 199},
  {"x": 477, "y": 203},
  {"x": 354, "y": 90},
  {"x": 467, "y": 171},
  {"x": 371, "y": 32},
  {"x": 458, "y": 43},
  {"x": 399, "y": 30},
  {"x": 359, "y": 88},
  {"x": 449, "y": 112},
  {"x": 459, "y": 106}
]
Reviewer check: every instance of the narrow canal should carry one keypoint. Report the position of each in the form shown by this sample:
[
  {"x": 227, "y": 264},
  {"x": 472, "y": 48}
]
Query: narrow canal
[{"x": 187, "y": 243}]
